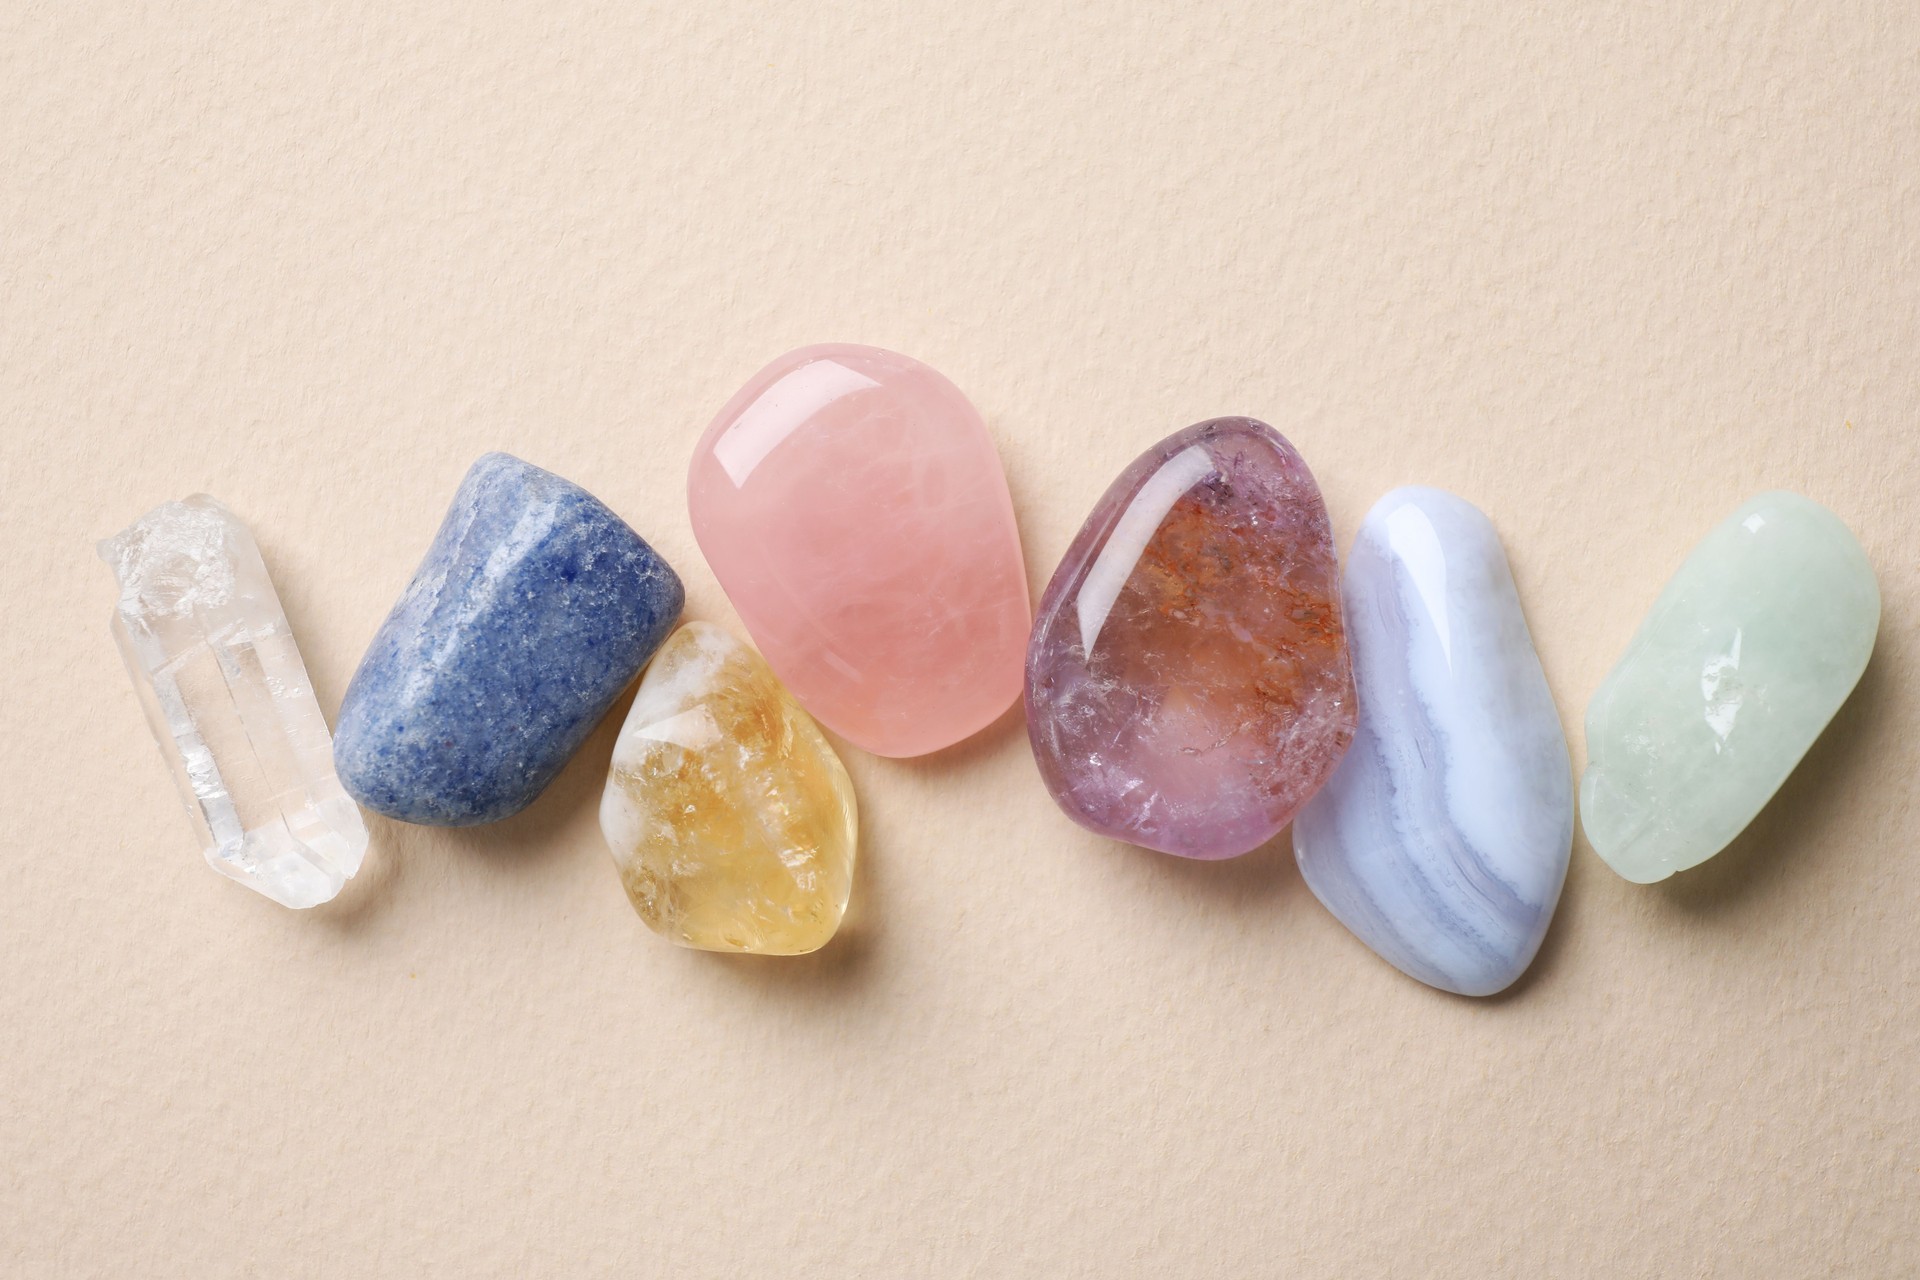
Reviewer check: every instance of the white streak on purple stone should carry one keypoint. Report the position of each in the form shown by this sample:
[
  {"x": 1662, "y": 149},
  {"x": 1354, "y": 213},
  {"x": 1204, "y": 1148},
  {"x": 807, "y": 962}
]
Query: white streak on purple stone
[{"x": 1130, "y": 536}]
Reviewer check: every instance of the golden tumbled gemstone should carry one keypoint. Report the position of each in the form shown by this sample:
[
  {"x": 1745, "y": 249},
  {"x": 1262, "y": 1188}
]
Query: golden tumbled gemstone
[{"x": 730, "y": 817}]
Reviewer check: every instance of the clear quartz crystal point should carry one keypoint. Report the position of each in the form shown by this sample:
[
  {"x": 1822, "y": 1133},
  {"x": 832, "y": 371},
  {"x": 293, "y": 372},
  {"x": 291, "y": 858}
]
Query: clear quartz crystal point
[{"x": 210, "y": 651}]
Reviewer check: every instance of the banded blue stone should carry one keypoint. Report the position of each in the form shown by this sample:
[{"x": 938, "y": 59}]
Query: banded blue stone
[{"x": 1442, "y": 840}]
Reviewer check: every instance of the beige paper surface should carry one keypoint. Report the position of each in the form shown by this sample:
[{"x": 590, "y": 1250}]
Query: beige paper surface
[{"x": 1606, "y": 270}]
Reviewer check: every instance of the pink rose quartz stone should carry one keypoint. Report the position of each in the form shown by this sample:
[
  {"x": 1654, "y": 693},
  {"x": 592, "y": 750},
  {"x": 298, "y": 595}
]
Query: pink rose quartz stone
[
  {"x": 1188, "y": 686},
  {"x": 853, "y": 508}
]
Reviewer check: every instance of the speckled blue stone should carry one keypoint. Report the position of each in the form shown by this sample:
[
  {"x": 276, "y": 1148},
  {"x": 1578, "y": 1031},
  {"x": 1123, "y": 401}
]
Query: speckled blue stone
[{"x": 534, "y": 608}]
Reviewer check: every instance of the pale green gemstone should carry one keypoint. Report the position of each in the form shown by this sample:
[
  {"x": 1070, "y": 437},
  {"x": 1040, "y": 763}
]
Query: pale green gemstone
[{"x": 1747, "y": 654}]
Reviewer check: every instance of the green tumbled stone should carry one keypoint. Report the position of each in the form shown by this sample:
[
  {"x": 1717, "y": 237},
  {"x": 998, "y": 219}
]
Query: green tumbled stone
[{"x": 1746, "y": 655}]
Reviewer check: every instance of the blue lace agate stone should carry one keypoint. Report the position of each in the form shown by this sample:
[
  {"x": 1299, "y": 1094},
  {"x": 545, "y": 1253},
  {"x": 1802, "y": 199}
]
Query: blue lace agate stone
[
  {"x": 1442, "y": 839},
  {"x": 534, "y": 608}
]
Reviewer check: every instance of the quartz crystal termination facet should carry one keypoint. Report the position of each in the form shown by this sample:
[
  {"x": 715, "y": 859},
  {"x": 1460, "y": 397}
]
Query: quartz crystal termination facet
[
  {"x": 1188, "y": 687},
  {"x": 227, "y": 696},
  {"x": 729, "y": 816},
  {"x": 1749, "y": 651}
]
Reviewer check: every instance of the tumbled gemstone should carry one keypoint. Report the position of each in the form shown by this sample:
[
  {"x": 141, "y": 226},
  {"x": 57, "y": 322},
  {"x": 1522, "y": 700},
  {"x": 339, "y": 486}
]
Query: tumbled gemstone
[
  {"x": 729, "y": 816},
  {"x": 1748, "y": 652},
  {"x": 853, "y": 508},
  {"x": 533, "y": 609},
  {"x": 227, "y": 697},
  {"x": 1442, "y": 838},
  {"x": 1187, "y": 682}
]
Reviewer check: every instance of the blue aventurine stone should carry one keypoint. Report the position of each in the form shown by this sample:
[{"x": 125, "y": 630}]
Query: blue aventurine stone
[{"x": 533, "y": 609}]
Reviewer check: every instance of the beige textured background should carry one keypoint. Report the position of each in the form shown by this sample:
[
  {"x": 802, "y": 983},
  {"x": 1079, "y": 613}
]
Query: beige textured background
[{"x": 1604, "y": 269}]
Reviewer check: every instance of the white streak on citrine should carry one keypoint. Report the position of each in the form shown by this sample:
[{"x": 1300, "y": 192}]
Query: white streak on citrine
[{"x": 692, "y": 729}]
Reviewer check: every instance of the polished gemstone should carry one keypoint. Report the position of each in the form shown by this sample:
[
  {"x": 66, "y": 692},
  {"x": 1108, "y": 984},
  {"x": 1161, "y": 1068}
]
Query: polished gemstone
[
  {"x": 1442, "y": 838},
  {"x": 533, "y": 609},
  {"x": 851, "y": 503},
  {"x": 1748, "y": 652},
  {"x": 729, "y": 816},
  {"x": 1187, "y": 682},
  {"x": 228, "y": 699}
]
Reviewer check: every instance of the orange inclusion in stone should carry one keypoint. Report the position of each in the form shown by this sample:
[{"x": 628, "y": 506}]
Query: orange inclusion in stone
[{"x": 1188, "y": 685}]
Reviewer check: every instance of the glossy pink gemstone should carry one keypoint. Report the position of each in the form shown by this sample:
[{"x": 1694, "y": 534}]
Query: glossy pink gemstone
[
  {"x": 851, "y": 503},
  {"x": 1188, "y": 685}
]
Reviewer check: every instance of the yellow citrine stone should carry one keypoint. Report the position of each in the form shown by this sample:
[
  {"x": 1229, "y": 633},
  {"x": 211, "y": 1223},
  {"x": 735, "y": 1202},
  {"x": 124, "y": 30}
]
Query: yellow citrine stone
[{"x": 730, "y": 817}]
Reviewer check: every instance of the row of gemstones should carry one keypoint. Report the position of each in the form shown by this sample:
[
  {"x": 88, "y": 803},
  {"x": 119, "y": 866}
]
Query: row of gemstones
[{"x": 1199, "y": 675}]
